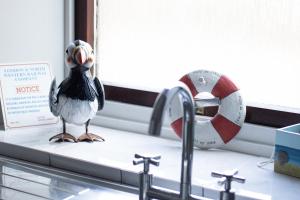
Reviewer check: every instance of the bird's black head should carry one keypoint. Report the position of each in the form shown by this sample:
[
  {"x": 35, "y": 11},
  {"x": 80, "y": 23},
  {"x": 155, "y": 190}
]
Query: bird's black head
[{"x": 79, "y": 56}]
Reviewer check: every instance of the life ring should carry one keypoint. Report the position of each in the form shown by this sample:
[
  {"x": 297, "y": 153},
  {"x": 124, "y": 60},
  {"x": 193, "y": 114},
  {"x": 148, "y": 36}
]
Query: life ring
[{"x": 226, "y": 124}]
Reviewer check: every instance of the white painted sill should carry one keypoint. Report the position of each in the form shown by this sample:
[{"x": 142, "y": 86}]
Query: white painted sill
[{"x": 252, "y": 139}]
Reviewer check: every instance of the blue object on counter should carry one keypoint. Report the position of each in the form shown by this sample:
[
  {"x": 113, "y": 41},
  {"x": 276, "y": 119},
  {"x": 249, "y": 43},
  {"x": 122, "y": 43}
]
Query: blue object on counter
[{"x": 287, "y": 150}]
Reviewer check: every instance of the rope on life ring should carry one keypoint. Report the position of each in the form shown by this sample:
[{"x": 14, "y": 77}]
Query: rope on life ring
[{"x": 226, "y": 124}]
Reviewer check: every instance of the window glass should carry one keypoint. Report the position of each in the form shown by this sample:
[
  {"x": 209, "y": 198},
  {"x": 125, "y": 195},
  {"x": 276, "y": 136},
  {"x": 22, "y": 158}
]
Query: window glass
[{"x": 149, "y": 44}]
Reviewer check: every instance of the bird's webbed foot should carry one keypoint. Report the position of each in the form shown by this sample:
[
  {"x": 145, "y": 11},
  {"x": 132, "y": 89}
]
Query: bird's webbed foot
[
  {"x": 90, "y": 137},
  {"x": 64, "y": 137}
]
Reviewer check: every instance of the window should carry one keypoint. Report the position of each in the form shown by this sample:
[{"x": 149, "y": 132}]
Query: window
[
  {"x": 254, "y": 43},
  {"x": 150, "y": 44}
]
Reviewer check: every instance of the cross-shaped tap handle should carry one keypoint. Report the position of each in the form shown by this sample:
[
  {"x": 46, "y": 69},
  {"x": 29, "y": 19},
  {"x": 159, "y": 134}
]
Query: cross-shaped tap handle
[
  {"x": 227, "y": 177},
  {"x": 146, "y": 160}
]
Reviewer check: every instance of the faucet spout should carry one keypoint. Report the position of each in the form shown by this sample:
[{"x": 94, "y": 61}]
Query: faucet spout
[
  {"x": 158, "y": 113},
  {"x": 187, "y": 102}
]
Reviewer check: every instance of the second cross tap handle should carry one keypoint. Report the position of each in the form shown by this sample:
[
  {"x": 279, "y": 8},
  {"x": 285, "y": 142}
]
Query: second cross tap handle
[
  {"x": 227, "y": 177},
  {"x": 146, "y": 160}
]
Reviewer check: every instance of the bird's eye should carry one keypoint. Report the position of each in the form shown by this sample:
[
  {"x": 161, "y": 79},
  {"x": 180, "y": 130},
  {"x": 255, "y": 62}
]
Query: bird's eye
[{"x": 67, "y": 51}]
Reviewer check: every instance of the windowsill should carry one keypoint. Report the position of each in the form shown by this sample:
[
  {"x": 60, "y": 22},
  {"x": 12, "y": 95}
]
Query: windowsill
[
  {"x": 252, "y": 139},
  {"x": 112, "y": 160}
]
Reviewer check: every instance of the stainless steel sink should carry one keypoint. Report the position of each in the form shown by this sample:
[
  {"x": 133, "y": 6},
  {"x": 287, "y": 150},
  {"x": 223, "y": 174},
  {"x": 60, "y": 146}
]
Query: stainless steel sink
[{"x": 21, "y": 181}]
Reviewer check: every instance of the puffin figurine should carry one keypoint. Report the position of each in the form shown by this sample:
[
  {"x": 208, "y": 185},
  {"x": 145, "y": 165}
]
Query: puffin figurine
[{"x": 79, "y": 96}]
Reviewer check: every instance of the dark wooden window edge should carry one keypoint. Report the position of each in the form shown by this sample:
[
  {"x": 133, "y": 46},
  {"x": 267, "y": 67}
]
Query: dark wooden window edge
[
  {"x": 254, "y": 115},
  {"x": 130, "y": 96},
  {"x": 84, "y": 20},
  {"x": 84, "y": 30}
]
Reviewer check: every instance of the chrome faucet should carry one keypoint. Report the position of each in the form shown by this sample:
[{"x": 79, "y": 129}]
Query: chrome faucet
[{"x": 149, "y": 191}]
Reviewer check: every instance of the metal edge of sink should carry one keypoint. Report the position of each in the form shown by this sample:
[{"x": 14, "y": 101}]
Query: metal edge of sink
[
  {"x": 43, "y": 160},
  {"x": 55, "y": 172}
]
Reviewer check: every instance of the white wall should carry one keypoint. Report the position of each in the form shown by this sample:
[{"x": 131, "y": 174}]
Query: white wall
[{"x": 33, "y": 31}]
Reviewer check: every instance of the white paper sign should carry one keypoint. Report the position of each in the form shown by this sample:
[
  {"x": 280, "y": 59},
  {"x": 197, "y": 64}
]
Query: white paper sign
[{"x": 24, "y": 90}]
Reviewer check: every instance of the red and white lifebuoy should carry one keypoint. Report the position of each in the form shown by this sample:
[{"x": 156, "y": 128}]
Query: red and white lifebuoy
[{"x": 231, "y": 114}]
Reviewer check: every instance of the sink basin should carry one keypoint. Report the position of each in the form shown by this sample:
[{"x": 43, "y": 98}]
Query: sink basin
[{"x": 21, "y": 181}]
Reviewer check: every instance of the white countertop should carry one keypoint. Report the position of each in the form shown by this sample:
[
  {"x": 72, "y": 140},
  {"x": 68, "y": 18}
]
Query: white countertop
[{"x": 118, "y": 150}]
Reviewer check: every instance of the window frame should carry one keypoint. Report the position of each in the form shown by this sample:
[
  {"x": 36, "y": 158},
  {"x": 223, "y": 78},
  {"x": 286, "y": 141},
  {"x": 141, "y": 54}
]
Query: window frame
[{"x": 84, "y": 30}]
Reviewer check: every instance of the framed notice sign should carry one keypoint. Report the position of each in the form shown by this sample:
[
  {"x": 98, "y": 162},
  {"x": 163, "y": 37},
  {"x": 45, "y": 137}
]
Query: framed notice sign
[{"x": 24, "y": 95}]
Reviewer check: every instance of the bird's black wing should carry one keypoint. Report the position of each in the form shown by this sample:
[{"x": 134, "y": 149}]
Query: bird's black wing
[
  {"x": 53, "y": 98},
  {"x": 100, "y": 93},
  {"x": 63, "y": 86}
]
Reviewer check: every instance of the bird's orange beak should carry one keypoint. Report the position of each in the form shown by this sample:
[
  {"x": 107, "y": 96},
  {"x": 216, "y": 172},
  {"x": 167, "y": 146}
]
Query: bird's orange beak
[{"x": 80, "y": 56}]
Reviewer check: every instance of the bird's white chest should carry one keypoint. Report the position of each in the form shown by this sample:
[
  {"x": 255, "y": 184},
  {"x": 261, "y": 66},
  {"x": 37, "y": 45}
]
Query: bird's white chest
[{"x": 77, "y": 111}]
